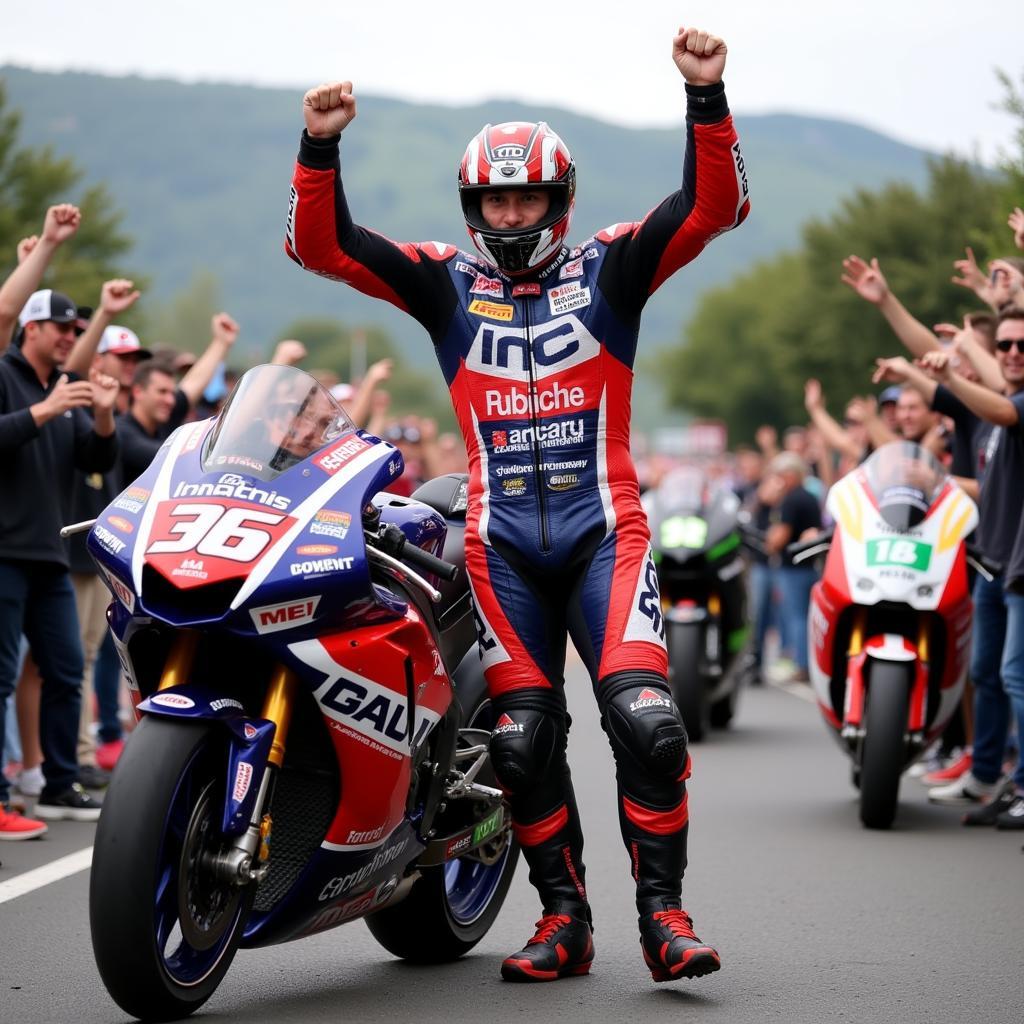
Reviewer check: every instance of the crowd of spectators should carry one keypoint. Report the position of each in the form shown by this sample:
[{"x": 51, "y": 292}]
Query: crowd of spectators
[
  {"x": 958, "y": 391},
  {"x": 84, "y": 407}
]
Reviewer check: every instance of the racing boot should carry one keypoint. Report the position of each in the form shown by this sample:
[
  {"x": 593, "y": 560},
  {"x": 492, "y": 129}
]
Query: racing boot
[
  {"x": 669, "y": 944},
  {"x": 562, "y": 945}
]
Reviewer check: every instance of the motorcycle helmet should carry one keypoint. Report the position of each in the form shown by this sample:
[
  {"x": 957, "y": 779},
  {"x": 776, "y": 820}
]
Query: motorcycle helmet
[{"x": 514, "y": 155}]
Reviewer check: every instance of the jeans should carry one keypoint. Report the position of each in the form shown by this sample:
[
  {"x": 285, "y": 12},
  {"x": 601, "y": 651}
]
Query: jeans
[
  {"x": 795, "y": 584},
  {"x": 762, "y": 585},
  {"x": 1013, "y": 673},
  {"x": 37, "y": 598},
  {"x": 107, "y": 684},
  {"x": 998, "y": 646}
]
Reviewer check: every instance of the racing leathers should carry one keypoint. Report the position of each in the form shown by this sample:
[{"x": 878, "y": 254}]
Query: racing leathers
[{"x": 539, "y": 368}]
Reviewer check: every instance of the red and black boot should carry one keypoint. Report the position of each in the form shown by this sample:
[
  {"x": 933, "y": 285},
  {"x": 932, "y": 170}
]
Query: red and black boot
[
  {"x": 671, "y": 948},
  {"x": 562, "y": 945}
]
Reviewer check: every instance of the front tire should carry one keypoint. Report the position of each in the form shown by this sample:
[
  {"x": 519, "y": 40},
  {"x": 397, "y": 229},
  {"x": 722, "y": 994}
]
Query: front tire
[
  {"x": 689, "y": 688},
  {"x": 451, "y": 907},
  {"x": 164, "y": 930},
  {"x": 883, "y": 751}
]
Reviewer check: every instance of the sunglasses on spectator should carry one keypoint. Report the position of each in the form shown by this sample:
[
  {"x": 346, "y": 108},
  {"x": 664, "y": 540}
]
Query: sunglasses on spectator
[
  {"x": 1007, "y": 343},
  {"x": 400, "y": 433}
]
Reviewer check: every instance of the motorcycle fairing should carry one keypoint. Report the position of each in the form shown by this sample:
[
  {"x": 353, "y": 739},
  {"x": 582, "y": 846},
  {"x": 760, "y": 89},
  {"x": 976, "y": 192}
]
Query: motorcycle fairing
[
  {"x": 361, "y": 680},
  {"x": 915, "y": 567},
  {"x": 863, "y": 568}
]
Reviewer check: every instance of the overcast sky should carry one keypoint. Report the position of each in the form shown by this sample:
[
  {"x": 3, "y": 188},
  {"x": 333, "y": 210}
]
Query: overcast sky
[{"x": 920, "y": 72}]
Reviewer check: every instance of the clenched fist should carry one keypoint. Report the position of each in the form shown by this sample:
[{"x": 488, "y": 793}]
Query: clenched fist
[
  {"x": 328, "y": 108},
  {"x": 225, "y": 330},
  {"x": 699, "y": 56}
]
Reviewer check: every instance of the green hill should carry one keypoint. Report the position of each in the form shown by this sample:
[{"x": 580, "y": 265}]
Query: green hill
[{"x": 202, "y": 172}]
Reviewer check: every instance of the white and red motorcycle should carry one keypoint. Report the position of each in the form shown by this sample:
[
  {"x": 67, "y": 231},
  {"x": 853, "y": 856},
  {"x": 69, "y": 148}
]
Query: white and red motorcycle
[{"x": 890, "y": 619}]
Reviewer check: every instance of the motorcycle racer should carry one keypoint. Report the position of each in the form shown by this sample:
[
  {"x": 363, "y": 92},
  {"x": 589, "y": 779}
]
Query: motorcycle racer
[{"x": 536, "y": 341}]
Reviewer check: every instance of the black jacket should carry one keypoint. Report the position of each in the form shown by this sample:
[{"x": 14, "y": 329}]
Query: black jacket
[{"x": 37, "y": 463}]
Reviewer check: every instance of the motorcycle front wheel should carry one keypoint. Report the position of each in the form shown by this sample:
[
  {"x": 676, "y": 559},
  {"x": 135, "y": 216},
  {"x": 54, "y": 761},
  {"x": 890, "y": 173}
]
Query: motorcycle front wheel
[
  {"x": 685, "y": 644},
  {"x": 883, "y": 751},
  {"x": 164, "y": 928}
]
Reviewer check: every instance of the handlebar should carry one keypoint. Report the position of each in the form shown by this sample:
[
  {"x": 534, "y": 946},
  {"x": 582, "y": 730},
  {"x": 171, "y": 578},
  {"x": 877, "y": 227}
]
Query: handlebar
[
  {"x": 752, "y": 538},
  {"x": 804, "y": 550},
  {"x": 394, "y": 542},
  {"x": 985, "y": 567}
]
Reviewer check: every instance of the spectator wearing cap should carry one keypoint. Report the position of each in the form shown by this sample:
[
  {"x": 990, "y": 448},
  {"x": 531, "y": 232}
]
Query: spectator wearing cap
[
  {"x": 102, "y": 345},
  {"x": 795, "y": 513},
  {"x": 159, "y": 405},
  {"x": 887, "y": 402},
  {"x": 44, "y": 433}
]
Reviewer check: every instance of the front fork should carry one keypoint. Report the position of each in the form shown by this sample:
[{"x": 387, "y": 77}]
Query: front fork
[
  {"x": 853, "y": 711},
  {"x": 246, "y": 860}
]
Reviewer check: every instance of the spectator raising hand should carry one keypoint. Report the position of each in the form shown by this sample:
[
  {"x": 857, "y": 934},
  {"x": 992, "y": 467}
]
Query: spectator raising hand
[
  {"x": 970, "y": 276},
  {"x": 116, "y": 297},
  {"x": 1006, "y": 283},
  {"x": 25, "y": 246},
  {"x": 288, "y": 353},
  {"x": 1016, "y": 223},
  {"x": 867, "y": 280},
  {"x": 34, "y": 256}
]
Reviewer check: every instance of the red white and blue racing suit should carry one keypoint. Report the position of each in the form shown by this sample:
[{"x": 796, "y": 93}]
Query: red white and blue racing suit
[{"x": 540, "y": 370}]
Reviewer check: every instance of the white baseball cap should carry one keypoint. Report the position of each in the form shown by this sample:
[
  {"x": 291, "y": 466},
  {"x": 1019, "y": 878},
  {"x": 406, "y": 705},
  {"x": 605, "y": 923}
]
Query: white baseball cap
[{"x": 122, "y": 341}]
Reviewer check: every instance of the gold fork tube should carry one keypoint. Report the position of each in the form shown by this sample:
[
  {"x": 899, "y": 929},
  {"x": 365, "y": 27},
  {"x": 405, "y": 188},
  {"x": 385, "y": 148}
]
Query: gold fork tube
[
  {"x": 182, "y": 654},
  {"x": 277, "y": 708},
  {"x": 856, "y": 634}
]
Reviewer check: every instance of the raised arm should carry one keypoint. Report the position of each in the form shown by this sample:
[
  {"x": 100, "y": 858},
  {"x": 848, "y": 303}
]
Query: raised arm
[
  {"x": 712, "y": 198},
  {"x": 982, "y": 401},
  {"x": 323, "y": 237},
  {"x": 900, "y": 371},
  {"x": 60, "y": 224},
  {"x": 195, "y": 382},
  {"x": 360, "y": 406},
  {"x": 115, "y": 297},
  {"x": 832, "y": 433},
  {"x": 870, "y": 284}
]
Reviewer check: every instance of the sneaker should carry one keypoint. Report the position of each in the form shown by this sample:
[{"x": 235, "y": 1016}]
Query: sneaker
[
  {"x": 988, "y": 813},
  {"x": 781, "y": 670},
  {"x": 15, "y": 826},
  {"x": 957, "y": 767},
  {"x": 108, "y": 753},
  {"x": 1013, "y": 816},
  {"x": 561, "y": 945},
  {"x": 966, "y": 790},
  {"x": 92, "y": 777},
  {"x": 74, "y": 804},
  {"x": 671, "y": 949},
  {"x": 931, "y": 762},
  {"x": 30, "y": 781}
]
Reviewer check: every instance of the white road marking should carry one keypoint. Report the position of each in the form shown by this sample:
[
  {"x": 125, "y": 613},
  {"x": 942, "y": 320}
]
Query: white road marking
[{"x": 46, "y": 875}]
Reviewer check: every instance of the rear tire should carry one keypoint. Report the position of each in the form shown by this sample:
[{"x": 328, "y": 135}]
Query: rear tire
[
  {"x": 164, "y": 930},
  {"x": 883, "y": 751},
  {"x": 451, "y": 907},
  {"x": 689, "y": 688},
  {"x": 722, "y": 711}
]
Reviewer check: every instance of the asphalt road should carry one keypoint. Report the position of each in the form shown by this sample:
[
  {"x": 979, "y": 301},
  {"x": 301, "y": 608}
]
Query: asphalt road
[{"x": 816, "y": 919}]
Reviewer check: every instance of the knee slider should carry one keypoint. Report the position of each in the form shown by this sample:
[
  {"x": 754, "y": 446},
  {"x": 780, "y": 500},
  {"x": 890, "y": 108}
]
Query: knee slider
[
  {"x": 643, "y": 722},
  {"x": 527, "y": 745}
]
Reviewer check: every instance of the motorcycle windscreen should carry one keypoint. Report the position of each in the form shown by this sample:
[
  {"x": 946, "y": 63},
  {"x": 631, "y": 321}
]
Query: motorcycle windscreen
[
  {"x": 275, "y": 417},
  {"x": 905, "y": 479}
]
